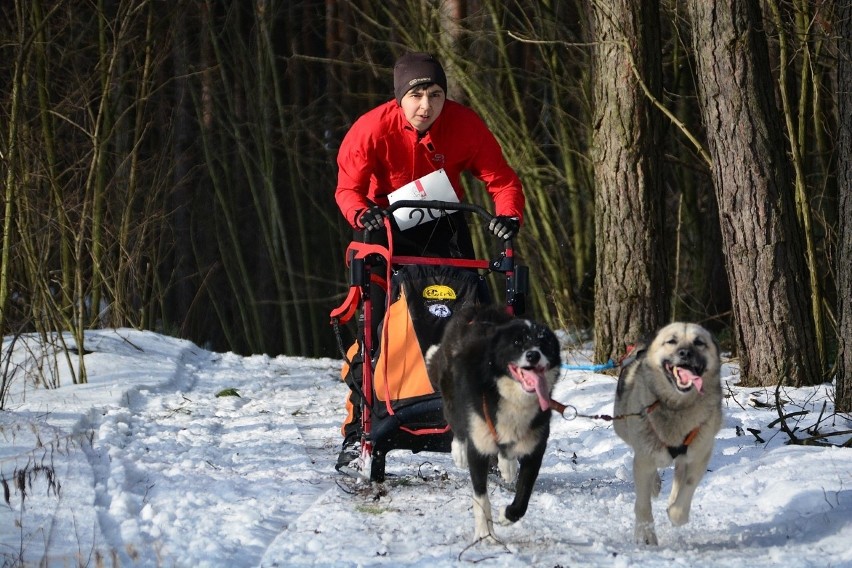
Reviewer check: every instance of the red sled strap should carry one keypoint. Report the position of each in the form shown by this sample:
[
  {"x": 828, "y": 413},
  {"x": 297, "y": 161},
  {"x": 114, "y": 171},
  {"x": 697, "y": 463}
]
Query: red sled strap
[
  {"x": 344, "y": 312},
  {"x": 362, "y": 250}
]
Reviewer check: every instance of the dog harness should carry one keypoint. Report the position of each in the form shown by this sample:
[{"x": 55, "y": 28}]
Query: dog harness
[
  {"x": 680, "y": 450},
  {"x": 674, "y": 451},
  {"x": 489, "y": 422}
]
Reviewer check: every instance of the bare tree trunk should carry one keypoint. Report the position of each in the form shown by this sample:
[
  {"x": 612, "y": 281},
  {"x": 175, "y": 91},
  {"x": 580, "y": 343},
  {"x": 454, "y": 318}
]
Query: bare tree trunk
[
  {"x": 631, "y": 294},
  {"x": 843, "y": 393},
  {"x": 796, "y": 135},
  {"x": 763, "y": 250},
  {"x": 10, "y": 180}
]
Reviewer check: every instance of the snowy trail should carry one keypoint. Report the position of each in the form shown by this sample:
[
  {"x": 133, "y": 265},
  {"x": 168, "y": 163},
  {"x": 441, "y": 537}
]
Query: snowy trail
[
  {"x": 176, "y": 467},
  {"x": 581, "y": 512},
  {"x": 157, "y": 470}
]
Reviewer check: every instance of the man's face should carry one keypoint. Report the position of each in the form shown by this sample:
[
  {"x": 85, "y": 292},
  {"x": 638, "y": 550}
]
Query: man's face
[{"x": 422, "y": 105}]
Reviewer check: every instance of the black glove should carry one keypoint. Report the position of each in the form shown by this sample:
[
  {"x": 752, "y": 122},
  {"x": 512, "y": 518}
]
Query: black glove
[
  {"x": 372, "y": 219},
  {"x": 504, "y": 227}
]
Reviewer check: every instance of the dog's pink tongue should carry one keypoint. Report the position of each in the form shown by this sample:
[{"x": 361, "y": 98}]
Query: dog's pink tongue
[
  {"x": 533, "y": 380},
  {"x": 687, "y": 377},
  {"x": 541, "y": 392}
]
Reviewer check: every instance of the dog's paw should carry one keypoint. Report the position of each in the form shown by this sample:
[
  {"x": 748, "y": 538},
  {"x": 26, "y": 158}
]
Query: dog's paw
[
  {"x": 644, "y": 534},
  {"x": 459, "y": 453},
  {"x": 487, "y": 539},
  {"x": 483, "y": 523},
  {"x": 484, "y": 532},
  {"x": 678, "y": 515},
  {"x": 503, "y": 519},
  {"x": 508, "y": 468}
]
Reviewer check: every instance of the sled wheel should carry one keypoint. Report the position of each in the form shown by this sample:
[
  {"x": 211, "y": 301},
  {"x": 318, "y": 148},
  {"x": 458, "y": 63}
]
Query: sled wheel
[{"x": 377, "y": 468}]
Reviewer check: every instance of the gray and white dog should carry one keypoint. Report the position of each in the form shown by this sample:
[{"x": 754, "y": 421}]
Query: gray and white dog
[{"x": 668, "y": 408}]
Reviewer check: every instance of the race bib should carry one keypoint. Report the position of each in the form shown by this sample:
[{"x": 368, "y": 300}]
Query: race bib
[{"x": 431, "y": 187}]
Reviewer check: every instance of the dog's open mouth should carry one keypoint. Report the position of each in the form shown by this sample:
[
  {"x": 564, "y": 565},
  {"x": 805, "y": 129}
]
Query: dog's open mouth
[
  {"x": 532, "y": 380},
  {"x": 684, "y": 378}
]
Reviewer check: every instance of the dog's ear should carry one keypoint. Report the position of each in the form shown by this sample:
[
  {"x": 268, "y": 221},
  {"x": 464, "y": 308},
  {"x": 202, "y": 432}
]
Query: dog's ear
[{"x": 635, "y": 352}]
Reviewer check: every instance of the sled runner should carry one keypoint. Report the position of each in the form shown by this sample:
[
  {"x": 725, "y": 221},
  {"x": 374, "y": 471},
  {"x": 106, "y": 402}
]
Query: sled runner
[{"x": 400, "y": 408}]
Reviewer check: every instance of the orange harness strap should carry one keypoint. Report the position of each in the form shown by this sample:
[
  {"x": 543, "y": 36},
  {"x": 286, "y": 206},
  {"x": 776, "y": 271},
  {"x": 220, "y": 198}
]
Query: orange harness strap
[
  {"x": 690, "y": 437},
  {"x": 488, "y": 421}
]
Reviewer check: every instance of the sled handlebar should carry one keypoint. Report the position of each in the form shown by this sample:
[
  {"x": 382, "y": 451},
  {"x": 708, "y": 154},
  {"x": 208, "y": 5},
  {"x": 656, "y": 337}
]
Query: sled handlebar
[
  {"x": 517, "y": 281},
  {"x": 441, "y": 206}
]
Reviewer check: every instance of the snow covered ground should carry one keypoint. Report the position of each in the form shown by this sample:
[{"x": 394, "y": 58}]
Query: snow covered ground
[{"x": 146, "y": 466}]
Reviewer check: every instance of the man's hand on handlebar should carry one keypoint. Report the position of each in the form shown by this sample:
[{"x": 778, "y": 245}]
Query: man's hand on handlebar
[
  {"x": 372, "y": 219},
  {"x": 504, "y": 227}
]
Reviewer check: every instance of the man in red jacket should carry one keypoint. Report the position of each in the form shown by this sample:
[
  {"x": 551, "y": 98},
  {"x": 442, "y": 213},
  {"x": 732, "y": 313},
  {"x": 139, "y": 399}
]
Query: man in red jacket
[
  {"x": 417, "y": 133},
  {"x": 399, "y": 142}
]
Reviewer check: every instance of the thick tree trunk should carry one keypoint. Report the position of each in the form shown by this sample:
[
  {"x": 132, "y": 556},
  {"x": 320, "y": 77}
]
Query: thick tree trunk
[
  {"x": 631, "y": 293},
  {"x": 763, "y": 250},
  {"x": 843, "y": 394}
]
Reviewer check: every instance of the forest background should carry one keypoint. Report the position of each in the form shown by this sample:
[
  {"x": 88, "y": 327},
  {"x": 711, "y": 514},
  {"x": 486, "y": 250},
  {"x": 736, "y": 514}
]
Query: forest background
[{"x": 170, "y": 165}]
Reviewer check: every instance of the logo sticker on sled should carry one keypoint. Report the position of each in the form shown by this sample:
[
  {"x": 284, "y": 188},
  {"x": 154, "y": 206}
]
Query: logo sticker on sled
[
  {"x": 439, "y": 292},
  {"x": 440, "y": 311}
]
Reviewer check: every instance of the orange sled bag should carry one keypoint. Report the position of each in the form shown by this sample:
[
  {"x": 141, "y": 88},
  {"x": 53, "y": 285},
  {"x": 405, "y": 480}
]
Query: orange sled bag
[{"x": 407, "y": 411}]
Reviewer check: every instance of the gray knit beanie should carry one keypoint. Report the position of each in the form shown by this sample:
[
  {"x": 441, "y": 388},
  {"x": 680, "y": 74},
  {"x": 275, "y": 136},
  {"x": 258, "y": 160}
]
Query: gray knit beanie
[{"x": 413, "y": 69}]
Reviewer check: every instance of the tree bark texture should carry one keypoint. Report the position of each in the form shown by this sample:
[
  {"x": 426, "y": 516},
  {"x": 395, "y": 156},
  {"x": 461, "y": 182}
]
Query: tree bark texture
[
  {"x": 630, "y": 282},
  {"x": 763, "y": 249},
  {"x": 843, "y": 387}
]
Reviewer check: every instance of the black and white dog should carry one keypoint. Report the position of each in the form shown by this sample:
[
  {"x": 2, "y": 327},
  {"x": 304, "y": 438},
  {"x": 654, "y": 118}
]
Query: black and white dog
[{"x": 495, "y": 373}]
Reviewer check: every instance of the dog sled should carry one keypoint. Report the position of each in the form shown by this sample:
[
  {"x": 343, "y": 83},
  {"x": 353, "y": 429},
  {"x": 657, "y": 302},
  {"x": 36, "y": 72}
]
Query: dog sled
[{"x": 386, "y": 364}]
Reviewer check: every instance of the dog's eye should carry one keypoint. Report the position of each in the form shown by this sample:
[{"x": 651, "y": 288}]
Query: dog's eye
[
  {"x": 699, "y": 342},
  {"x": 671, "y": 341},
  {"x": 522, "y": 339}
]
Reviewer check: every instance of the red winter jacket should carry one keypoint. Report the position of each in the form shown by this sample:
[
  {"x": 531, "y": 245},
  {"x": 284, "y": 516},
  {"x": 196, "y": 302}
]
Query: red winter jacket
[{"x": 381, "y": 153}]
